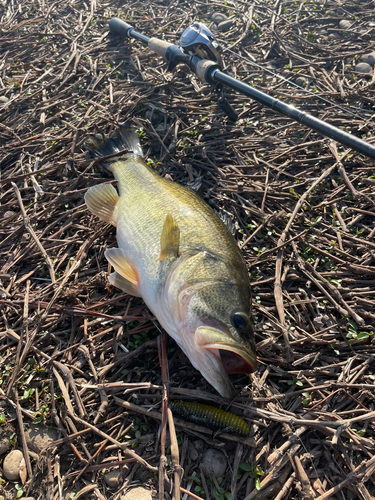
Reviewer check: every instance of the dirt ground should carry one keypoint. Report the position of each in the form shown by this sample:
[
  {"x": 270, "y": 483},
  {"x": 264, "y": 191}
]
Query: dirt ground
[{"x": 79, "y": 359}]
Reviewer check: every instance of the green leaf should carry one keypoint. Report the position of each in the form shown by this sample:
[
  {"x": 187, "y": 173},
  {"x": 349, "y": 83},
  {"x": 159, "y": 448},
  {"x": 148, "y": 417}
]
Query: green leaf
[
  {"x": 353, "y": 325},
  {"x": 244, "y": 466},
  {"x": 193, "y": 478},
  {"x": 364, "y": 335},
  {"x": 217, "y": 496},
  {"x": 257, "y": 483},
  {"x": 2, "y": 418}
]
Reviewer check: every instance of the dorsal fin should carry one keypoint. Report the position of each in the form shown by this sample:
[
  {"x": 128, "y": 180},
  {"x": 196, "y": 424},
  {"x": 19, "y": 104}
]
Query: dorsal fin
[{"x": 170, "y": 238}]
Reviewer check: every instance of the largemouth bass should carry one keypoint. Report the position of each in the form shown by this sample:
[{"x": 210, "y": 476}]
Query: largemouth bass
[{"x": 177, "y": 254}]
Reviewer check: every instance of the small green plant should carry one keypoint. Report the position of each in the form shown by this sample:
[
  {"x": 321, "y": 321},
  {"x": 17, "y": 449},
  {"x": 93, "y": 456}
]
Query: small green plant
[
  {"x": 254, "y": 471},
  {"x": 354, "y": 335},
  {"x": 12, "y": 439},
  {"x": 306, "y": 398},
  {"x": 138, "y": 427},
  {"x": 19, "y": 489},
  {"x": 295, "y": 381},
  {"x": 42, "y": 414}
]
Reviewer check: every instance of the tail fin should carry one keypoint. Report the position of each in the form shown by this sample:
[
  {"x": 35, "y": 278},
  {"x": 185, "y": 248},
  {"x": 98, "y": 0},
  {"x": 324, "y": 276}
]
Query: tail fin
[{"x": 124, "y": 137}]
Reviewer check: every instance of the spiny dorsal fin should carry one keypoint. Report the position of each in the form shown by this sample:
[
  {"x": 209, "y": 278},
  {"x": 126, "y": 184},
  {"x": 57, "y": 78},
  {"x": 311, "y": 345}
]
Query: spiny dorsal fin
[
  {"x": 117, "y": 258},
  {"x": 123, "y": 284},
  {"x": 170, "y": 238},
  {"x": 101, "y": 200}
]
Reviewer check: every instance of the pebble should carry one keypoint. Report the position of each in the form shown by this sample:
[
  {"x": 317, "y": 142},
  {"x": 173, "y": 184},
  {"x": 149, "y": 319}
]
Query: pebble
[
  {"x": 225, "y": 25},
  {"x": 301, "y": 82},
  {"x": 193, "y": 454},
  {"x": 3, "y": 99},
  {"x": 363, "y": 67},
  {"x": 137, "y": 494},
  {"x": 1, "y": 497},
  {"x": 218, "y": 17},
  {"x": 199, "y": 445},
  {"x": 113, "y": 478},
  {"x": 11, "y": 465},
  {"x": 369, "y": 58},
  {"x": 215, "y": 462},
  {"x": 344, "y": 24},
  {"x": 38, "y": 437}
]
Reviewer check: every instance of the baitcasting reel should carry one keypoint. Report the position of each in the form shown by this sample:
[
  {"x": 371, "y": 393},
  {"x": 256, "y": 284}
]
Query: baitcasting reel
[{"x": 198, "y": 39}]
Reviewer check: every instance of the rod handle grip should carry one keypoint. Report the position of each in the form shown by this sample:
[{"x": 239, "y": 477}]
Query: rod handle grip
[
  {"x": 119, "y": 27},
  {"x": 159, "y": 46}
]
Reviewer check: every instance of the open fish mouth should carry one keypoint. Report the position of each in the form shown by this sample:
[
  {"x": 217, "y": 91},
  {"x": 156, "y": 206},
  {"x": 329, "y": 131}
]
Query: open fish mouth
[
  {"x": 235, "y": 358},
  {"x": 235, "y": 363}
]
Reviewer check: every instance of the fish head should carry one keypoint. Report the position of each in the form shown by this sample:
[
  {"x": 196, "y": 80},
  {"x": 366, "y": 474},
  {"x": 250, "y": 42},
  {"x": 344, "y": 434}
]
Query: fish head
[{"x": 214, "y": 320}]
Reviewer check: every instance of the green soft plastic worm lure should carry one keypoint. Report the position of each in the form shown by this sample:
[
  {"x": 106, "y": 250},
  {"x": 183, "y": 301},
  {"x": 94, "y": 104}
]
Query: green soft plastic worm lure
[{"x": 211, "y": 417}]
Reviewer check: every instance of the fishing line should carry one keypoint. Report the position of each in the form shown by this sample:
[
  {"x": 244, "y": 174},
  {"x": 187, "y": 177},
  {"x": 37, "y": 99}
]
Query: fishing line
[{"x": 310, "y": 92}]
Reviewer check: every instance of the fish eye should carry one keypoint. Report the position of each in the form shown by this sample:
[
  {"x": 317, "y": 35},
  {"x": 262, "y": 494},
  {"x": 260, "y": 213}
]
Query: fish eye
[{"x": 240, "y": 321}]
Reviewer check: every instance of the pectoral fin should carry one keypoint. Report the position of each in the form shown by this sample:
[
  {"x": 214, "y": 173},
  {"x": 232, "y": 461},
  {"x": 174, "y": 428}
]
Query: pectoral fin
[
  {"x": 117, "y": 258},
  {"x": 123, "y": 284},
  {"x": 101, "y": 200},
  {"x": 170, "y": 238}
]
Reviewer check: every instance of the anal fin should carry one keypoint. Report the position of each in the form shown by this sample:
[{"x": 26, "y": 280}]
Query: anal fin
[
  {"x": 123, "y": 284},
  {"x": 101, "y": 200},
  {"x": 117, "y": 258},
  {"x": 170, "y": 238}
]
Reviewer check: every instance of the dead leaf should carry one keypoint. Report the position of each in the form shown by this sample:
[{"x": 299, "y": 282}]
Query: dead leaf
[{"x": 23, "y": 471}]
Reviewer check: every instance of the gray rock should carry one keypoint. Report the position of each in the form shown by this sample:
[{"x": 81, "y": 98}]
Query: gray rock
[
  {"x": 38, "y": 437},
  {"x": 137, "y": 494},
  {"x": 113, "y": 478},
  {"x": 11, "y": 465},
  {"x": 344, "y": 24},
  {"x": 363, "y": 67},
  {"x": 369, "y": 58},
  {"x": 218, "y": 17},
  {"x": 225, "y": 25},
  {"x": 3, "y": 99},
  {"x": 193, "y": 454},
  {"x": 215, "y": 462},
  {"x": 332, "y": 36},
  {"x": 301, "y": 82},
  {"x": 199, "y": 445}
]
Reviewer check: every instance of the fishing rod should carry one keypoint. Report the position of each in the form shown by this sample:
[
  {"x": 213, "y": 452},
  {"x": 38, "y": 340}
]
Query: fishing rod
[{"x": 199, "y": 50}]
